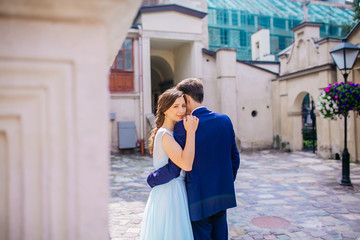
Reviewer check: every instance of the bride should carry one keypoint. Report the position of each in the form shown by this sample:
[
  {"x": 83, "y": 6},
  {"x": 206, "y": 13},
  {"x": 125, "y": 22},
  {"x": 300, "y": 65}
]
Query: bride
[{"x": 166, "y": 213}]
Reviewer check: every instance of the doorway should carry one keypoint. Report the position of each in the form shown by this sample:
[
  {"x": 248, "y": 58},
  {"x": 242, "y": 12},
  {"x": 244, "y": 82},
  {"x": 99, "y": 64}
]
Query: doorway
[
  {"x": 309, "y": 134},
  {"x": 162, "y": 78}
]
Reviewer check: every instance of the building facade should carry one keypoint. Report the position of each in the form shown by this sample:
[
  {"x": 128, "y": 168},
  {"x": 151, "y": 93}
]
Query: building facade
[
  {"x": 165, "y": 52},
  {"x": 307, "y": 68},
  {"x": 264, "y": 98}
]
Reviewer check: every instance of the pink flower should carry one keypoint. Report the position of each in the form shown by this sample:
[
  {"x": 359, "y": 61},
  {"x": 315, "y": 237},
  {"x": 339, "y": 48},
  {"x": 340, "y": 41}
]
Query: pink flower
[
  {"x": 327, "y": 89},
  {"x": 336, "y": 96}
]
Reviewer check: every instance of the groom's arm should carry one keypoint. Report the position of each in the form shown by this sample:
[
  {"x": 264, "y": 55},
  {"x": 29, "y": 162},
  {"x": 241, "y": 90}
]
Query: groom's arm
[{"x": 164, "y": 174}]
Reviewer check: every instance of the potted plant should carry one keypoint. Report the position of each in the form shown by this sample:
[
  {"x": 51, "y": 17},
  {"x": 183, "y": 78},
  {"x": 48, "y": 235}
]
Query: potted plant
[{"x": 338, "y": 100}]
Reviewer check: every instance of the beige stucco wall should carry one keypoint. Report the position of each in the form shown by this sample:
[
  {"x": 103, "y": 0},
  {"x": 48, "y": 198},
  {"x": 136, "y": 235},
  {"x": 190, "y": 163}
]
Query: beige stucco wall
[
  {"x": 221, "y": 76},
  {"x": 175, "y": 22},
  {"x": 211, "y": 100},
  {"x": 166, "y": 54},
  {"x": 273, "y": 67},
  {"x": 254, "y": 94},
  {"x": 54, "y": 61},
  {"x": 200, "y": 5}
]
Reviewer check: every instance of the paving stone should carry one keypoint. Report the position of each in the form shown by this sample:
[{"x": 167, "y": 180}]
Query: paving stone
[
  {"x": 299, "y": 187},
  {"x": 283, "y": 237},
  {"x": 318, "y": 234},
  {"x": 349, "y": 235},
  {"x": 269, "y": 237}
]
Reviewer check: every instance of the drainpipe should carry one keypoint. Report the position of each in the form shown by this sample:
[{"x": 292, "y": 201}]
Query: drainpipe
[{"x": 142, "y": 143}]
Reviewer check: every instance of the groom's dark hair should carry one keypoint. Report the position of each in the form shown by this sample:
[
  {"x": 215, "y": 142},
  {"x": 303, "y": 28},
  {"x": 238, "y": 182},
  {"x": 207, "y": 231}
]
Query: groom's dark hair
[{"x": 192, "y": 87}]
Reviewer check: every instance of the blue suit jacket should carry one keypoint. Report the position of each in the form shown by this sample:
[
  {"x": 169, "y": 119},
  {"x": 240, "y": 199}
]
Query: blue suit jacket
[{"x": 210, "y": 183}]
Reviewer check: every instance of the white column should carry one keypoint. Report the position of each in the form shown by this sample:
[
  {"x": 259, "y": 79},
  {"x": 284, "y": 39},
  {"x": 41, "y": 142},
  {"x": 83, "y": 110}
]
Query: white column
[{"x": 197, "y": 60}]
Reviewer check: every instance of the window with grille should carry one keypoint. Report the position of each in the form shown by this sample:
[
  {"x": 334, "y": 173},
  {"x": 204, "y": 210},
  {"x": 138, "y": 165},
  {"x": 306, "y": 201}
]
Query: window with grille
[
  {"x": 124, "y": 58},
  {"x": 243, "y": 41},
  {"x": 122, "y": 72},
  {"x": 222, "y": 16},
  {"x": 279, "y": 23},
  {"x": 264, "y": 21},
  {"x": 234, "y": 18},
  {"x": 150, "y": 2},
  {"x": 294, "y": 23},
  {"x": 282, "y": 43},
  {"x": 243, "y": 18},
  {"x": 333, "y": 30},
  {"x": 251, "y": 20},
  {"x": 214, "y": 36},
  {"x": 224, "y": 36}
]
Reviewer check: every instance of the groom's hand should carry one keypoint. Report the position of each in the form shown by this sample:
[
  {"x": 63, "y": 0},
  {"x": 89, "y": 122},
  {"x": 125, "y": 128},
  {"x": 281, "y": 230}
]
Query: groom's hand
[{"x": 164, "y": 174}]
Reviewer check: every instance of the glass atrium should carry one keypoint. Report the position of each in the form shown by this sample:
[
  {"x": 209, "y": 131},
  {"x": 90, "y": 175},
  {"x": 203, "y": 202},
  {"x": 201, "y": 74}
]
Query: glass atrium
[{"x": 231, "y": 22}]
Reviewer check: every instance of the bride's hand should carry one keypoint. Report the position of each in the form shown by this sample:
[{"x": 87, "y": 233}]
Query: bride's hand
[{"x": 191, "y": 123}]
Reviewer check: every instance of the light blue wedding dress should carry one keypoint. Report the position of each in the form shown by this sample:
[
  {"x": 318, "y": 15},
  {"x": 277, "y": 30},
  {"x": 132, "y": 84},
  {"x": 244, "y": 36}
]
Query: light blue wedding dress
[{"x": 166, "y": 214}]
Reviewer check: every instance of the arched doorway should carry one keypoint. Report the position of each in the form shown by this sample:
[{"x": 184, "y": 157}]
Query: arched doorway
[
  {"x": 306, "y": 104},
  {"x": 162, "y": 78}
]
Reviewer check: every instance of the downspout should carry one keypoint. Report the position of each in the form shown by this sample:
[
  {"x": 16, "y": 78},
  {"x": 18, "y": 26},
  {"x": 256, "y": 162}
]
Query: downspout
[{"x": 142, "y": 142}]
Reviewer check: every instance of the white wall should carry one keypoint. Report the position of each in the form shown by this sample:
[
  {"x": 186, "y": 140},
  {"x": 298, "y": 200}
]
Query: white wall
[
  {"x": 254, "y": 94},
  {"x": 260, "y": 46},
  {"x": 175, "y": 22}
]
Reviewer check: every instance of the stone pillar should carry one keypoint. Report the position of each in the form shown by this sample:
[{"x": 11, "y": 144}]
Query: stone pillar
[
  {"x": 146, "y": 56},
  {"x": 198, "y": 63},
  {"x": 226, "y": 78},
  {"x": 54, "y": 101}
]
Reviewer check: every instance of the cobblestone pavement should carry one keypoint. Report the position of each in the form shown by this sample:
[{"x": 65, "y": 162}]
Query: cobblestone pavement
[{"x": 280, "y": 196}]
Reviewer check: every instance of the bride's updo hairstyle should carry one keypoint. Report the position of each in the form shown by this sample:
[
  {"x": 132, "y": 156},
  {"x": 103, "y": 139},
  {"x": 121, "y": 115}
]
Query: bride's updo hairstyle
[{"x": 165, "y": 101}]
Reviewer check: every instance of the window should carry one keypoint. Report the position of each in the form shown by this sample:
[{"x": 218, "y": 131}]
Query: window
[
  {"x": 323, "y": 29},
  {"x": 234, "y": 17},
  {"x": 264, "y": 22},
  {"x": 243, "y": 18},
  {"x": 150, "y": 2},
  {"x": 279, "y": 23},
  {"x": 124, "y": 59},
  {"x": 122, "y": 70},
  {"x": 214, "y": 36},
  {"x": 282, "y": 43},
  {"x": 224, "y": 37},
  {"x": 222, "y": 16},
  {"x": 333, "y": 30},
  {"x": 294, "y": 23},
  {"x": 242, "y": 38},
  {"x": 251, "y": 20}
]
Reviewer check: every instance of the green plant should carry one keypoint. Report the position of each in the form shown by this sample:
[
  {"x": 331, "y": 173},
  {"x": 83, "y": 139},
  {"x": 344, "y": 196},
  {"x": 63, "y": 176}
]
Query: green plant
[{"x": 339, "y": 100}]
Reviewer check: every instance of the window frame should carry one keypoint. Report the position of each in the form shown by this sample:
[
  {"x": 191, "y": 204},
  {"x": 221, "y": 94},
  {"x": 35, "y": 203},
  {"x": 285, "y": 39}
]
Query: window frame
[{"x": 123, "y": 50}]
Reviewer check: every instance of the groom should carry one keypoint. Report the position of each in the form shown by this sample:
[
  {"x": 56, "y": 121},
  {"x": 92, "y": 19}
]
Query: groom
[{"x": 210, "y": 183}]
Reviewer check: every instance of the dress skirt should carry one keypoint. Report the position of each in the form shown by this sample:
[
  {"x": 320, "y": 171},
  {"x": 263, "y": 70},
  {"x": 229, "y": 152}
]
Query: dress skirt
[{"x": 166, "y": 215}]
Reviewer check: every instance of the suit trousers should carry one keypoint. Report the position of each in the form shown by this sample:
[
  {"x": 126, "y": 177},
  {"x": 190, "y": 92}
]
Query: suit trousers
[{"x": 211, "y": 228}]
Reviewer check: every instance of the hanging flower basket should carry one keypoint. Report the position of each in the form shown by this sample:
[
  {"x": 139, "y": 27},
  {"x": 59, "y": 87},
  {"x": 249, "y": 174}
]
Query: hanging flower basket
[{"x": 338, "y": 100}]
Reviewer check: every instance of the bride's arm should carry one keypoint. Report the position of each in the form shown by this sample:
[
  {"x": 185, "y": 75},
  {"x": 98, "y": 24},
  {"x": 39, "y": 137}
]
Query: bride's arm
[{"x": 182, "y": 158}]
